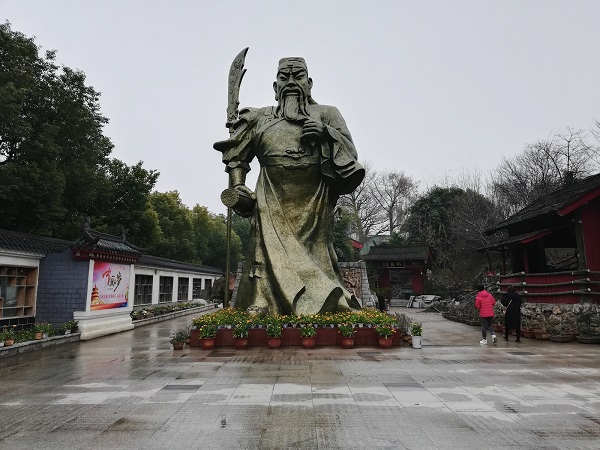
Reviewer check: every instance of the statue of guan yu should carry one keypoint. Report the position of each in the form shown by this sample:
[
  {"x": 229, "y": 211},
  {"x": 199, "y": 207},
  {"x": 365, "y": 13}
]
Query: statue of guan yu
[{"x": 307, "y": 160}]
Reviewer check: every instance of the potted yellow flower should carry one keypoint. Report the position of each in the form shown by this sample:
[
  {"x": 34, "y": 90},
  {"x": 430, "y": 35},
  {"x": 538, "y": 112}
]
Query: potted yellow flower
[
  {"x": 308, "y": 334},
  {"x": 347, "y": 331},
  {"x": 385, "y": 332},
  {"x": 208, "y": 336},
  {"x": 274, "y": 333},
  {"x": 241, "y": 334}
]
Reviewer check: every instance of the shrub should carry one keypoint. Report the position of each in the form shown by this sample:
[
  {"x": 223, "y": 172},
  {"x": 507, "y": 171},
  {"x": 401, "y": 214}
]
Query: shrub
[
  {"x": 274, "y": 330},
  {"x": 346, "y": 329},
  {"x": 208, "y": 332},
  {"x": 385, "y": 330},
  {"x": 308, "y": 331},
  {"x": 416, "y": 328}
]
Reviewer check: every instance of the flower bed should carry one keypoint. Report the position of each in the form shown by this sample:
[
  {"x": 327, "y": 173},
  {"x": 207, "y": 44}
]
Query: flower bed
[{"x": 226, "y": 320}]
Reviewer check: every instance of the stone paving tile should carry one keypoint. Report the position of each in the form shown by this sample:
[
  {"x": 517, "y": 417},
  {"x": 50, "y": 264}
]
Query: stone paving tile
[
  {"x": 55, "y": 440},
  {"x": 296, "y": 436},
  {"x": 227, "y": 438},
  {"x": 133, "y": 391}
]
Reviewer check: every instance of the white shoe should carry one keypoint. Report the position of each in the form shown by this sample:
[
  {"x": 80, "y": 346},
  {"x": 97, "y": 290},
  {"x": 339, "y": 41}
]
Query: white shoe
[
  {"x": 483, "y": 341},
  {"x": 494, "y": 340}
]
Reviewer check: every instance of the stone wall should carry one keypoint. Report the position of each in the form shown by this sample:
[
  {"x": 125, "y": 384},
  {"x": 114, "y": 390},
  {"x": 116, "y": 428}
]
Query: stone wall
[
  {"x": 62, "y": 288},
  {"x": 356, "y": 281},
  {"x": 556, "y": 317},
  {"x": 354, "y": 276}
]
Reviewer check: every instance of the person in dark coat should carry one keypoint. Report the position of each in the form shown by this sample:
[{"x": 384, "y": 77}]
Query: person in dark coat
[
  {"x": 512, "y": 319},
  {"x": 382, "y": 303}
]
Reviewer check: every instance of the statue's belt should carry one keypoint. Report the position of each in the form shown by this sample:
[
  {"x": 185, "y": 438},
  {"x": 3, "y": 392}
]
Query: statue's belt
[{"x": 289, "y": 161}]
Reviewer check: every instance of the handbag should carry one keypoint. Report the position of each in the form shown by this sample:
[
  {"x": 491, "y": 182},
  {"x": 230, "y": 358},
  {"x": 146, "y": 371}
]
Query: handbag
[{"x": 507, "y": 307}]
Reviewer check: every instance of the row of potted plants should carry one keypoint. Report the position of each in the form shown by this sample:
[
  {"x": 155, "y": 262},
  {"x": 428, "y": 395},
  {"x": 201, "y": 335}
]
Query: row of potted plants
[
  {"x": 160, "y": 310},
  {"x": 242, "y": 322},
  {"x": 229, "y": 317},
  {"x": 10, "y": 335}
]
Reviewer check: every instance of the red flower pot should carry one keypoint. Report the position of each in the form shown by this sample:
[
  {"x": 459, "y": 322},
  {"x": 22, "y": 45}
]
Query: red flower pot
[
  {"x": 241, "y": 342},
  {"x": 385, "y": 342},
  {"x": 207, "y": 343},
  {"x": 347, "y": 342},
  {"x": 309, "y": 342},
  {"x": 178, "y": 345},
  {"x": 274, "y": 342}
]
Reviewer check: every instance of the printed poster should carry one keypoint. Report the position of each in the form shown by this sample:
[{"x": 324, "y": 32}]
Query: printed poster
[{"x": 110, "y": 287}]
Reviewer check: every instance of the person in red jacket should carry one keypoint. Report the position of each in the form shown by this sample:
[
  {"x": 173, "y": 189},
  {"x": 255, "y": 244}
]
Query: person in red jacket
[{"x": 485, "y": 302}]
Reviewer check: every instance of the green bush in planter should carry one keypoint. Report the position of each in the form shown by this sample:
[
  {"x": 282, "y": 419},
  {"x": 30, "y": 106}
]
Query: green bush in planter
[
  {"x": 416, "y": 328},
  {"x": 308, "y": 331}
]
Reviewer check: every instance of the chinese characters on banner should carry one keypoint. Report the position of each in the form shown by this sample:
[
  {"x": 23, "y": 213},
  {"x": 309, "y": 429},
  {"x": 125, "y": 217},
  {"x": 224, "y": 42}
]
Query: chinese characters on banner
[{"x": 110, "y": 286}]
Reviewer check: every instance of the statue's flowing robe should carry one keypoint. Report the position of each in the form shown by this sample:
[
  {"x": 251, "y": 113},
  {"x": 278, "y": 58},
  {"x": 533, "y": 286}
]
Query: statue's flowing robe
[{"x": 291, "y": 266}]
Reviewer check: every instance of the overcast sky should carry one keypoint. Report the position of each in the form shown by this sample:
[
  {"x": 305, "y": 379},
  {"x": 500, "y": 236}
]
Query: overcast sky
[{"x": 426, "y": 87}]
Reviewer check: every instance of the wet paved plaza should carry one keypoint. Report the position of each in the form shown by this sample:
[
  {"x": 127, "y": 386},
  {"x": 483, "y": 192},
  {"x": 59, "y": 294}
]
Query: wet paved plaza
[{"x": 132, "y": 391}]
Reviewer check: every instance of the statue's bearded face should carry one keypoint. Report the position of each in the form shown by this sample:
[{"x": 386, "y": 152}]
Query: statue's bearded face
[{"x": 292, "y": 90}]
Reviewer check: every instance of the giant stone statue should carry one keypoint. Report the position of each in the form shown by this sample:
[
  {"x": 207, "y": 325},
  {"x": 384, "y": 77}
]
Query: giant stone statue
[{"x": 307, "y": 160}]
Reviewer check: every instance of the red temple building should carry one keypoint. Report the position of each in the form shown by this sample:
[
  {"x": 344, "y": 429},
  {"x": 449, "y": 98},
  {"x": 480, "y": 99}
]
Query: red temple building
[{"x": 553, "y": 246}]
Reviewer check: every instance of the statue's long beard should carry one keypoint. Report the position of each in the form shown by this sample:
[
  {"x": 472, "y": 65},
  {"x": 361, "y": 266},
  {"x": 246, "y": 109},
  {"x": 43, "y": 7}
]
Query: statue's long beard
[{"x": 292, "y": 108}]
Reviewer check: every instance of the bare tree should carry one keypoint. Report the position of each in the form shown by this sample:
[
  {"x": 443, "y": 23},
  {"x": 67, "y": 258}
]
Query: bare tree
[
  {"x": 596, "y": 134},
  {"x": 367, "y": 214},
  {"x": 543, "y": 167},
  {"x": 393, "y": 192}
]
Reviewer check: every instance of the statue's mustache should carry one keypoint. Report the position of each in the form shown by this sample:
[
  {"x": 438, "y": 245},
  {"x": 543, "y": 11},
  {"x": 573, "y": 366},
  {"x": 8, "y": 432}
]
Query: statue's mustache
[{"x": 292, "y": 90}]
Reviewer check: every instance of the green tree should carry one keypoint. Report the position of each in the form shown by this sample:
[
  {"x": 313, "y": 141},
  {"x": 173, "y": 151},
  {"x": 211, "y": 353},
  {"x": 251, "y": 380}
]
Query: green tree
[
  {"x": 342, "y": 229},
  {"x": 210, "y": 234},
  {"x": 452, "y": 222},
  {"x": 241, "y": 226},
  {"x": 176, "y": 237},
  {"x": 201, "y": 226},
  {"x": 216, "y": 254},
  {"x": 125, "y": 203},
  {"x": 52, "y": 150}
]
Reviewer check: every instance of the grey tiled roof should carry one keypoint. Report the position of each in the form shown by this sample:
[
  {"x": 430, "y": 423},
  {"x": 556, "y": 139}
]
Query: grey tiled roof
[
  {"x": 155, "y": 261},
  {"x": 105, "y": 243},
  {"x": 551, "y": 203},
  {"x": 398, "y": 253},
  {"x": 28, "y": 243},
  {"x": 21, "y": 242}
]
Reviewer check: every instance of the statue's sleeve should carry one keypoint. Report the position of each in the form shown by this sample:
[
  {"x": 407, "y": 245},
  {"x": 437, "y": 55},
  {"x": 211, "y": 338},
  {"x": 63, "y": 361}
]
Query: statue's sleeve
[
  {"x": 339, "y": 159},
  {"x": 238, "y": 150}
]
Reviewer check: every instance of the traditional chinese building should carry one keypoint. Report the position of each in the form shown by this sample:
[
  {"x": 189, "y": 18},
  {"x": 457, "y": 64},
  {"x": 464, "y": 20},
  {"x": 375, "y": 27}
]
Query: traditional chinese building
[
  {"x": 553, "y": 246},
  {"x": 401, "y": 268},
  {"x": 98, "y": 279}
]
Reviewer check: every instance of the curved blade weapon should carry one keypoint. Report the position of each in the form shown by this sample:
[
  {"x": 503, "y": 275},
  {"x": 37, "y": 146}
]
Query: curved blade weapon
[{"x": 236, "y": 73}]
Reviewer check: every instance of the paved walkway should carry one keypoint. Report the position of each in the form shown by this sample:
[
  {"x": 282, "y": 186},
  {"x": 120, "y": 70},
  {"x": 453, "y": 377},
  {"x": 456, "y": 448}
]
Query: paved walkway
[{"x": 132, "y": 391}]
